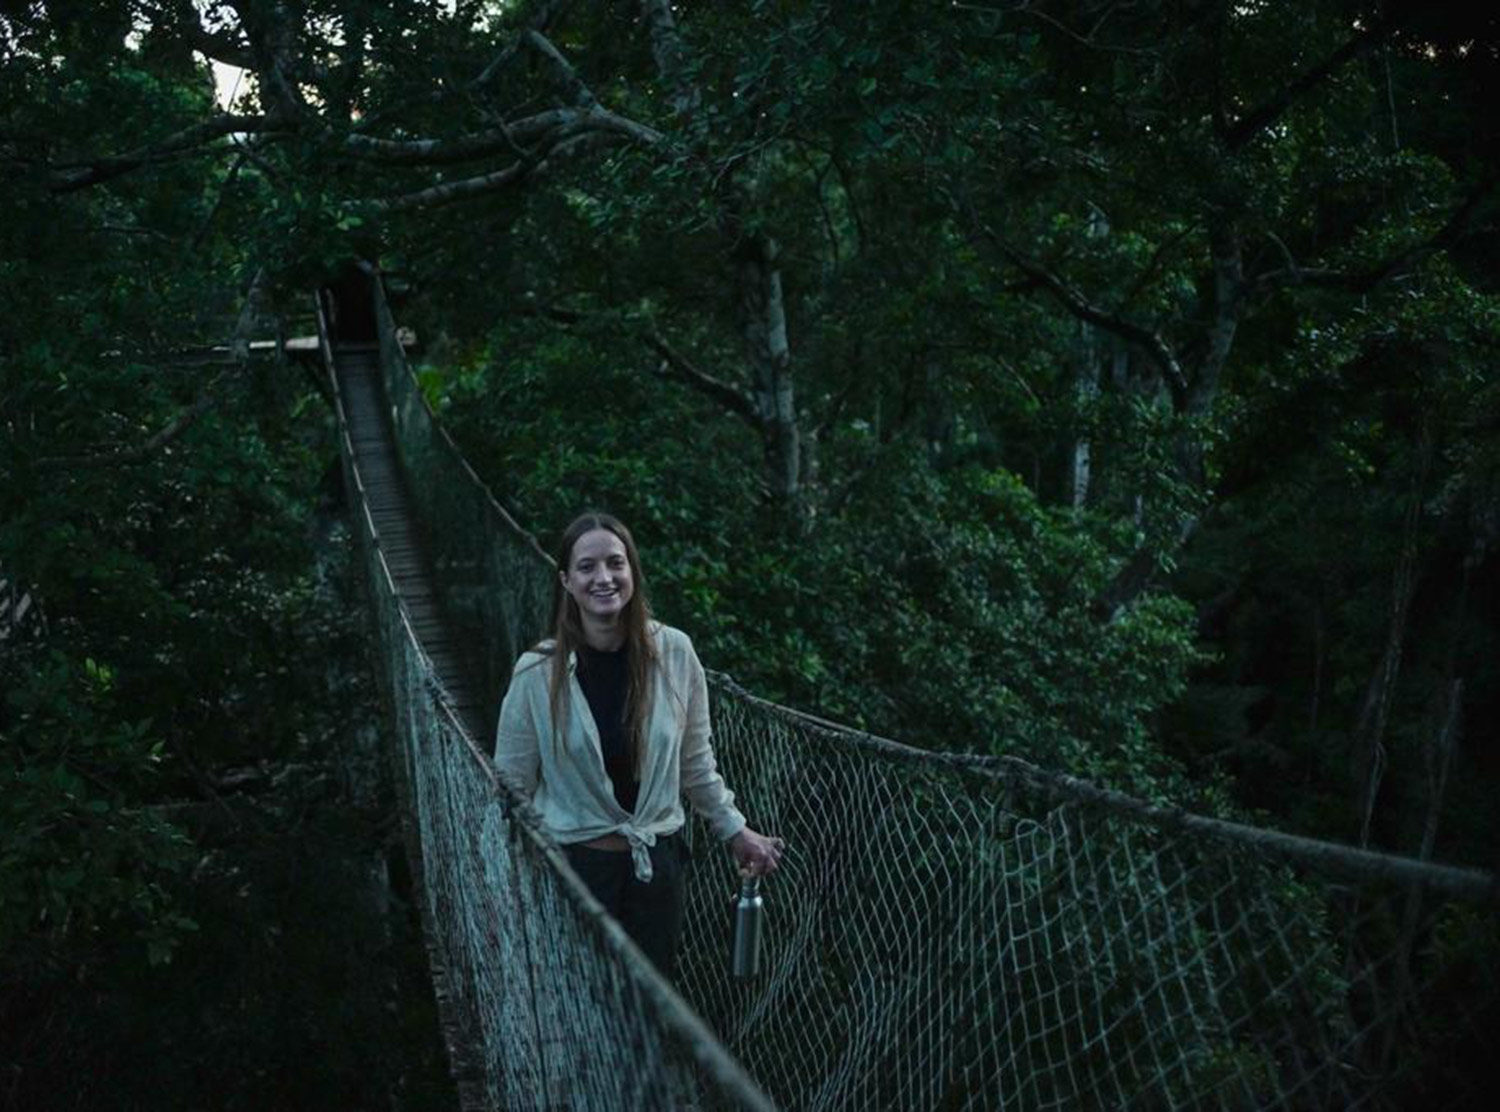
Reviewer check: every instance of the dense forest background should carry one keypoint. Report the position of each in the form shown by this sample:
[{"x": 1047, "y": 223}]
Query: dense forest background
[{"x": 1110, "y": 384}]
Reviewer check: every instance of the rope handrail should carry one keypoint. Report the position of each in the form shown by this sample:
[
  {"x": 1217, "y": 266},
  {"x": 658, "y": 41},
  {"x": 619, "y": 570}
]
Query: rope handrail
[
  {"x": 710, "y": 1054},
  {"x": 941, "y": 943},
  {"x": 728, "y": 1078},
  {"x": 1353, "y": 862}
]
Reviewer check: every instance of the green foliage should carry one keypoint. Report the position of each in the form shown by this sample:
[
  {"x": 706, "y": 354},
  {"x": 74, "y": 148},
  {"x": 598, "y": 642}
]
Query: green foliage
[
  {"x": 79, "y": 847},
  {"x": 178, "y": 701},
  {"x": 947, "y": 607},
  {"x": 941, "y": 574},
  {"x": 916, "y": 584}
]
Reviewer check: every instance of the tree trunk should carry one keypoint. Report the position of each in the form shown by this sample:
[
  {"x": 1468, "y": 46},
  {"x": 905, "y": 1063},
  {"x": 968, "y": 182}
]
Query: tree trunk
[
  {"x": 1320, "y": 656},
  {"x": 1085, "y": 388},
  {"x": 1437, "y": 758},
  {"x": 1088, "y": 372},
  {"x": 938, "y": 422},
  {"x": 762, "y": 308},
  {"x": 1369, "y": 731},
  {"x": 763, "y": 325}
]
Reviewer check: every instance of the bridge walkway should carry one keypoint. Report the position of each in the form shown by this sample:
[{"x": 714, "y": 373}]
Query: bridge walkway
[{"x": 397, "y": 524}]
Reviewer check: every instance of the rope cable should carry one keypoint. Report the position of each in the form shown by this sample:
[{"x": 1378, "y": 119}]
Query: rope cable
[{"x": 946, "y": 931}]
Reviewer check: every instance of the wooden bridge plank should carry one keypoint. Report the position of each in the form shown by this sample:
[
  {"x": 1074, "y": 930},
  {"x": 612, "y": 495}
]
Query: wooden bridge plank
[{"x": 399, "y": 531}]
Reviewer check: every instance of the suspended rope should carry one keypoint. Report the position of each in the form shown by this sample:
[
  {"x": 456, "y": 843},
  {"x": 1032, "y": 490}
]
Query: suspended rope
[
  {"x": 546, "y": 1003},
  {"x": 978, "y": 933},
  {"x": 946, "y": 931}
]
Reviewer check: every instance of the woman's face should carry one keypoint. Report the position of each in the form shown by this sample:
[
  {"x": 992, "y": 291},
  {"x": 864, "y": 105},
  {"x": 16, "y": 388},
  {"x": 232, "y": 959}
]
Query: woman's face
[{"x": 598, "y": 575}]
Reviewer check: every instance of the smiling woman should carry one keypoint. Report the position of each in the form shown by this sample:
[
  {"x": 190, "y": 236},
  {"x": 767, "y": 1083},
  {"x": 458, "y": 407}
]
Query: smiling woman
[
  {"x": 601, "y": 584},
  {"x": 605, "y": 728}
]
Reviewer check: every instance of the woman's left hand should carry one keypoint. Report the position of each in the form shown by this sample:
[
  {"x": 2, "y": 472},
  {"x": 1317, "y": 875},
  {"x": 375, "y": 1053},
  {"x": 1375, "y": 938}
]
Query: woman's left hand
[{"x": 755, "y": 853}]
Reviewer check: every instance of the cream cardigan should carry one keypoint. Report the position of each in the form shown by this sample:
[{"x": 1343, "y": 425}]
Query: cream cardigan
[{"x": 564, "y": 777}]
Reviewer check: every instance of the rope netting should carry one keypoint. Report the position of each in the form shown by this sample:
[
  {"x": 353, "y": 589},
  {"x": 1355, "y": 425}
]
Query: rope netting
[
  {"x": 978, "y": 933},
  {"x": 945, "y": 932},
  {"x": 546, "y": 1003}
]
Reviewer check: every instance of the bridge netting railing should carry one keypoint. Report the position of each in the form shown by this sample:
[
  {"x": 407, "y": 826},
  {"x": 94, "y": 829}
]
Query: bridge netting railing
[
  {"x": 546, "y": 1003},
  {"x": 979, "y": 933},
  {"x": 955, "y": 932},
  {"x": 496, "y": 584}
]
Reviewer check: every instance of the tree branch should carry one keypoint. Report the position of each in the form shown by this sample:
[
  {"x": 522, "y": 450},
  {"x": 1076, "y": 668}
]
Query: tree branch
[
  {"x": 670, "y": 54},
  {"x": 1074, "y": 301},
  {"x": 720, "y": 391},
  {"x": 572, "y": 84},
  {"x": 433, "y": 152},
  {"x": 1089, "y": 40},
  {"x": 587, "y": 131},
  {"x": 543, "y": 19},
  {"x": 1362, "y": 281},
  {"x": 1139, "y": 571},
  {"x": 724, "y": 393},
  {"x": 570, "y": 149},
  {"x": 1153, "y": 264},
  {"x": 213, "y": 212},
  {"x": 1229, "y": 301},
  {"x": 220, "y": 46},
  {"x": 551, "y": 125},
  {"x": 82, "y": 173},
  {"x": 269, "y": 29},
  {"x": 435, "y": 196},
  {"x": 1248, "y": 126},
  {"x": 603, "y": 120},
  {"x": 139, "y": 453}
]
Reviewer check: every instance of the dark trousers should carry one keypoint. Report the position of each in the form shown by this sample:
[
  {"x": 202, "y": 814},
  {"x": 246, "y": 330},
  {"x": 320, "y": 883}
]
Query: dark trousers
[{"x": 650, "y": 913}]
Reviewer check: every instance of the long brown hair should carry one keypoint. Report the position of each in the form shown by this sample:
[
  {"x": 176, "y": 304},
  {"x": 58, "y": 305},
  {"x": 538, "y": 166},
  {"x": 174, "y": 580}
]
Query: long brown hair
[{"x": 568, "y": 636}]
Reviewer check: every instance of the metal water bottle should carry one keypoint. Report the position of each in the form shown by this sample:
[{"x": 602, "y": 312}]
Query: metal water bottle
[{"x": 749, "y": 914}]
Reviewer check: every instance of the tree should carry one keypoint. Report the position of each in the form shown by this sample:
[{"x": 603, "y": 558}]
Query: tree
[
  {"x": 177, "y": 785},
  {"x": 830, "y": 299}
]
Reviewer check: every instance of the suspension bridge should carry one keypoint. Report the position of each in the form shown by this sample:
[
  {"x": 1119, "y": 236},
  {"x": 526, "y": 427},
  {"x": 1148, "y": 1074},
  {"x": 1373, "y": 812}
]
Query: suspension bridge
[{"x": 946, "y": 932}]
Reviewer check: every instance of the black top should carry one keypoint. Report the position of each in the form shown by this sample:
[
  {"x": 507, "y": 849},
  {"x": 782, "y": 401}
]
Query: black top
[{"x": 605, "y": 679}]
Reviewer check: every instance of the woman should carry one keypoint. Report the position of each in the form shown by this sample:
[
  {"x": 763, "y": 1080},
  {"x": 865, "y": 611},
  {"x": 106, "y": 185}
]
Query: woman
[{"x": 605, "y": 727}]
